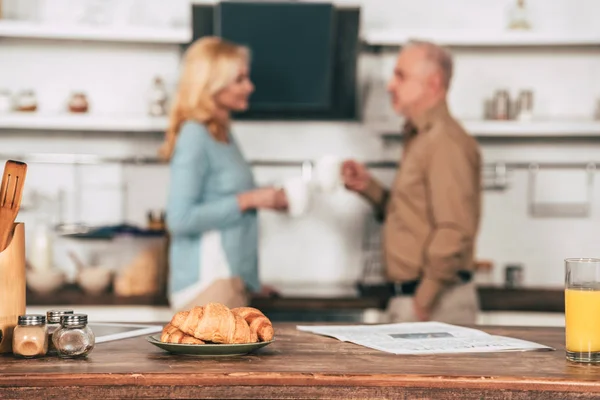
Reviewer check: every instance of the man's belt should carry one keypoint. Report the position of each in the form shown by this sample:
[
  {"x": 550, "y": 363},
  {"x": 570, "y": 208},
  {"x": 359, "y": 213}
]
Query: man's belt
[{"x": 409, "y": 288}]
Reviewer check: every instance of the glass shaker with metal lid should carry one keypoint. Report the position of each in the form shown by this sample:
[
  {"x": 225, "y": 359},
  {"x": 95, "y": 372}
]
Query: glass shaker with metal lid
[
  {"x": 53, "y": 324},
  {"x": 74, "y": 338},
  {"x": 30, "y": 337}
]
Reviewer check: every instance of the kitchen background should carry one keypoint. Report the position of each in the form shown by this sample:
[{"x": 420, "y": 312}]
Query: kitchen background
[{"x": 533, "y": 215}]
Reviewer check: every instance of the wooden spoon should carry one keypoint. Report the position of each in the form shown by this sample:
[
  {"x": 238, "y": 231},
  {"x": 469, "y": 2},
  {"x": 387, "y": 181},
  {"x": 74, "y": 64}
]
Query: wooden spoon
[{"x": 11, "y": 192}]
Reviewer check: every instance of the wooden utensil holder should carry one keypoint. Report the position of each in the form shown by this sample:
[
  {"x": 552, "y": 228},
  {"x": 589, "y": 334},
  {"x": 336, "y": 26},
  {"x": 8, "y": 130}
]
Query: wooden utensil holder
[{"x": 12, "y": 286}]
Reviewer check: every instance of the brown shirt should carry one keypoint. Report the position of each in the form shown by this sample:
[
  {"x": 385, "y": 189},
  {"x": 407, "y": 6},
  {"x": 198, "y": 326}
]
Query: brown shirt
[{"x": 432, "y": 211}]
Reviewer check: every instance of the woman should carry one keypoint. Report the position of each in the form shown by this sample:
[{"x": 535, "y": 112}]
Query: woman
[{"x": 211, "y": 210}]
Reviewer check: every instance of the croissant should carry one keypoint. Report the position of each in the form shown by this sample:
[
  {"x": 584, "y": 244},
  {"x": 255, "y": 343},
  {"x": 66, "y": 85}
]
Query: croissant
[
  {"x": 171, "y": 334},
  {"x": 214, "y": 323},
  {"x": 257, "y": 321}
]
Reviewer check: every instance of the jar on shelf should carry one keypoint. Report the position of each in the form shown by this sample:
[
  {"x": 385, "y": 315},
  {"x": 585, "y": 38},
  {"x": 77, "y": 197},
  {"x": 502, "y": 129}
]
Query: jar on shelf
[
  {"x": 483, "y": 272},
  {"x": 524, "y": 111},
  {"x": 30, "y": 337},
  {"x": 26, "y": 101},
  {"x": 513, "y": 275},
  {"x": 158, "y": 98},
  {"x": 53, "y": 324},
  {"x": 156, "y": 221},
  {"x": 5, "y": 101},
  {"x": 519, "y": 16},
  {"x": 501, "y": 105},
  {"x": 74, "y": 339},
  {"x": 78, "y": 103}
]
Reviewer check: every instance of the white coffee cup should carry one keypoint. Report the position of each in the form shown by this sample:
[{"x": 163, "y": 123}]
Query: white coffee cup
[
  {"x": 328, "y": 173},
  {"x": 298, "y": 193}
]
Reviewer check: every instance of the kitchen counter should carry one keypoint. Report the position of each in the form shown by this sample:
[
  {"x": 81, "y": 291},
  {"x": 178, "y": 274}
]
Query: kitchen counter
[
  {"x": 492, "y": 298},
  {"x": 303, "y": 365}
]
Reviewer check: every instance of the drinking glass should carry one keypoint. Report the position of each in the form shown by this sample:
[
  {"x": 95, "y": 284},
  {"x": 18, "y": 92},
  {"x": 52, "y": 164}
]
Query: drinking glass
[{"x": 582, "y": 309}]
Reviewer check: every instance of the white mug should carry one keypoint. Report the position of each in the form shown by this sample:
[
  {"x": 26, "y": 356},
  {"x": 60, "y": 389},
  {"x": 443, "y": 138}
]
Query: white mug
[
  {"x": 298, "y": 193},
  {"x": 328, "y": 173}
]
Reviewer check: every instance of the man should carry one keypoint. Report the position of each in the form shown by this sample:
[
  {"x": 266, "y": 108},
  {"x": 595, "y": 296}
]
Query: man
[{"x": 431, "y": 215}]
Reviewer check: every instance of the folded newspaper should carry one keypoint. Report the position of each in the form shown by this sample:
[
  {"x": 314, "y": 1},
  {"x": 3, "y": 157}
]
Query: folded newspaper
[{"x": 423, "y": 338}]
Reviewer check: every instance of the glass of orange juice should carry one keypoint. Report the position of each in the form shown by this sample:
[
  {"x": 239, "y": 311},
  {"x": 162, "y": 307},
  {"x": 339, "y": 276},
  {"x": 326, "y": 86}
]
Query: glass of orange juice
[{"x": 582, "y": 309}]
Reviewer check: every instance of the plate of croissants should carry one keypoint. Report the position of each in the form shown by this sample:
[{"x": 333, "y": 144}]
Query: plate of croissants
[{"x": 215, "y": 330}]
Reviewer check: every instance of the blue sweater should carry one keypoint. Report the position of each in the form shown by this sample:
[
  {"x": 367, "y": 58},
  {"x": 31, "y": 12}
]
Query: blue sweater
[{"x": 206, "y": 177}]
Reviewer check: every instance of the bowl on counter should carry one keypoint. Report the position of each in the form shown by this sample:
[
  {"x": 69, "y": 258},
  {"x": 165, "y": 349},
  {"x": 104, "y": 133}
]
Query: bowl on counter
[
  {"x": 95, "y": 280},
  {"x": 45, "y": 281}
]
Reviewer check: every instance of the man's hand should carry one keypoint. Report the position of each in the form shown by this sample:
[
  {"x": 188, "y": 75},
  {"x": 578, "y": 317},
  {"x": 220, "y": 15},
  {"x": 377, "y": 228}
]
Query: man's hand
[
  {"x": 421, "y": 313},
  {"x": 355, "y": 176}
]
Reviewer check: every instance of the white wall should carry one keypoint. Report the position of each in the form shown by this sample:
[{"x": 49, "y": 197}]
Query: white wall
[{"x": 326, "y": 245}]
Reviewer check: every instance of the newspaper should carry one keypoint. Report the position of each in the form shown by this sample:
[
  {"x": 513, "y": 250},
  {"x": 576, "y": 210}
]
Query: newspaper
[{"x": 423, "y": 338}]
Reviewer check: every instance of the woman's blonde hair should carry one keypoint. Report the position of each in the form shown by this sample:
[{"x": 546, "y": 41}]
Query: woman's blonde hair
[{"x": 210, "y": 64}]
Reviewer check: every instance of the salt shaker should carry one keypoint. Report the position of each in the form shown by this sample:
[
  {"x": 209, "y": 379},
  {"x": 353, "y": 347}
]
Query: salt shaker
[
  {"x": 30, "y": 337},
  {"x": 53, "y": 324},
  {"x": 74, "y": 338}
]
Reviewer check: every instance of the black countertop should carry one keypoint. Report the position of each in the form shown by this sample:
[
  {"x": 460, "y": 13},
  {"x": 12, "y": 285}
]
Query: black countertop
[{"x": 492, "y": 298}]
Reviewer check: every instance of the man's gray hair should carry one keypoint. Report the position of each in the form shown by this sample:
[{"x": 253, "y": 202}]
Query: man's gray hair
[{"x": 439, "y": 56}]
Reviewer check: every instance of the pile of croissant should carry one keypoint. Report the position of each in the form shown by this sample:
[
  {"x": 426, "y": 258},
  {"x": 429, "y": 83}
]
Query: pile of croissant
[{"x": 216, "y": 323}]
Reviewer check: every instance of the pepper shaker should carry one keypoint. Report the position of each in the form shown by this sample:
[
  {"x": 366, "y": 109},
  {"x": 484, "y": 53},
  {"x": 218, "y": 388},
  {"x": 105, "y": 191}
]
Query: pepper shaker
[
  {"x": 53, "y": 324},
  {"x": 74, "y": 338}
]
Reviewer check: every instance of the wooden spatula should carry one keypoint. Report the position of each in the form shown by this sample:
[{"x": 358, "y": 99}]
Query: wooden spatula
[{"x": 11, "y": 192}]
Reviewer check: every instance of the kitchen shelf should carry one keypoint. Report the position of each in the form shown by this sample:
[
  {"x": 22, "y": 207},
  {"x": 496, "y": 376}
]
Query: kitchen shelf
[
  {"x": 477, "y": 38},
  {"x": 18, "y": 29},
  {"x": 483, "y": 129},
  {"x": 91, "y": 122}
]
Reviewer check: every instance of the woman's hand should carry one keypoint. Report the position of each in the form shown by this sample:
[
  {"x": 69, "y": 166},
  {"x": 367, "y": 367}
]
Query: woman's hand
[{"x": 265, "y": 198}]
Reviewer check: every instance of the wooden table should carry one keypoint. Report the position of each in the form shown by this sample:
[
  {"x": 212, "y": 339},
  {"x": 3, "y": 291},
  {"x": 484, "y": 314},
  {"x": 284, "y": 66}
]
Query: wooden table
[{"x": 305, "y": 366}]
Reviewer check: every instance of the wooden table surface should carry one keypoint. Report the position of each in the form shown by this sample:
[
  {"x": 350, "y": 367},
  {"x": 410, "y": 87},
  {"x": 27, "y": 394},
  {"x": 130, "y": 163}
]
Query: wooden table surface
[{"x": 305, "y": 366}]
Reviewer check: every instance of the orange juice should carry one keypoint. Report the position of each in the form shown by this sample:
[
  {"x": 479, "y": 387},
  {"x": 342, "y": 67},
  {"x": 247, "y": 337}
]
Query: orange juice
[{"x": 582, "y": 320}]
